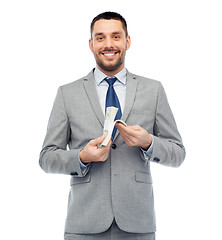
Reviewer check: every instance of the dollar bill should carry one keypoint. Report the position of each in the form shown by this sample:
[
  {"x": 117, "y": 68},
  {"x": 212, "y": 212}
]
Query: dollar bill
[{"x": 109, "y": 124}]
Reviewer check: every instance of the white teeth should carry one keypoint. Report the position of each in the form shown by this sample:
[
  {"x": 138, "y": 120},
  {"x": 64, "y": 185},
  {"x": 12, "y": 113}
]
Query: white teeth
[{"x": 109, "y": 54}]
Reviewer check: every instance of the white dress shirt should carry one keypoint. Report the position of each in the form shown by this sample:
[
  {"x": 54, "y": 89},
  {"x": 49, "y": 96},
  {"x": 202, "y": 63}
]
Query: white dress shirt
[{"x": 102, "y": 87}]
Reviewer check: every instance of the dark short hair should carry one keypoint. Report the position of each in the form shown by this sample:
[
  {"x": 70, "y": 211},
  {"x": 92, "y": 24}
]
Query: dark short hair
[{"x": 109, "y": 16}]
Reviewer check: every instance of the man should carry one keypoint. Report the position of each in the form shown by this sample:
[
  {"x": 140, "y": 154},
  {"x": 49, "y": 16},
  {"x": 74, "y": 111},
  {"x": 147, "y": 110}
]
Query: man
[{"x": 111, "y": 194}]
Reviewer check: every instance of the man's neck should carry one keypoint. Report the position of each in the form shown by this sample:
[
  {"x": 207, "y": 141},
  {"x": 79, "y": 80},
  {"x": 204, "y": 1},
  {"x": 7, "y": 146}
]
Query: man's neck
[{"x": 111, "y": 73}]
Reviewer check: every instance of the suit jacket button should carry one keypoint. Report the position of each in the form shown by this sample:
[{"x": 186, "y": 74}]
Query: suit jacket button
[
  {"x": 157, "y": 160},
  {"x": 74, "y": 173},
  {"x": 113, "y": 146}
]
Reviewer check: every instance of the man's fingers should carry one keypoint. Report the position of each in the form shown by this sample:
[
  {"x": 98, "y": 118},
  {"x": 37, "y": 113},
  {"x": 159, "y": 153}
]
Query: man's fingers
[
  {"x": 98, "y": 140},
  {"x": 119, "y": 125},
  {"x": 135, "y": 135},
  {"x": 109, "y": 143},
  {"x": 126, "y": 132},
  {"x": 129, "y": 131}
]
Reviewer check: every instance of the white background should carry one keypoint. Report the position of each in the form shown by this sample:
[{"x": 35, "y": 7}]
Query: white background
[{"x": 44, "y": 44}]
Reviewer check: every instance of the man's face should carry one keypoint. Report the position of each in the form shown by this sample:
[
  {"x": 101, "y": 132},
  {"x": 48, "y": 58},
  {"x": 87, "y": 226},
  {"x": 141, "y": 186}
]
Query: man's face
[{"x": 109, "y": 44}]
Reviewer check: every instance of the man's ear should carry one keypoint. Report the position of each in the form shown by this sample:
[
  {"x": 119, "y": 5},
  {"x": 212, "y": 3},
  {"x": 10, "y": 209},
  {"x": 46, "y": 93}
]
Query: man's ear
[
  {"x": 128, "y": 42},
  {"x": 91, "y": 44}
]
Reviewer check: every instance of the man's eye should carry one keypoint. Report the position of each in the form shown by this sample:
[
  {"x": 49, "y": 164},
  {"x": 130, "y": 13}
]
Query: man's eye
[
  {"x": 100, "y": 38},
  {"x": 116, "y": 37}
]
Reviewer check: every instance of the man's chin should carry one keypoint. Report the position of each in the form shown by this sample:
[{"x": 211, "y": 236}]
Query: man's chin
[{"x": 110, "y": 67}]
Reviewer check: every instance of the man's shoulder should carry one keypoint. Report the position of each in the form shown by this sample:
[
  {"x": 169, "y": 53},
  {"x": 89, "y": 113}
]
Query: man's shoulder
[
  {"x": 77, "y": 83},
  {"x": 72, "y": 84},
  {"x": 144, "y": 80}
]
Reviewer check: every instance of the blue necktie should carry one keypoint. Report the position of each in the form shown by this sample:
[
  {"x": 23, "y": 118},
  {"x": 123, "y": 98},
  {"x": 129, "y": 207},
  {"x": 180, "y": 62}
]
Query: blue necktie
[{"x": 112, "y": 100}]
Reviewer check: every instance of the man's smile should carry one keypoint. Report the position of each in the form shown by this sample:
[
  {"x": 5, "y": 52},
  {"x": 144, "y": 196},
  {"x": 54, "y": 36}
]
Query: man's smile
[{"x": 109, "y": 54}]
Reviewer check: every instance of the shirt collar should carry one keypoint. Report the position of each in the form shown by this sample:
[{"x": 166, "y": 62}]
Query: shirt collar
[{"x": 99, "y": 76}]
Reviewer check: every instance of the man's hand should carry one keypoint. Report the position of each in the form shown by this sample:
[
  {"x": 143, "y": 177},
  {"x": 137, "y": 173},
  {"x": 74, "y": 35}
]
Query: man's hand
[
  {"x": 135, "y": 135},
  {"x": 91, "y": 152}
]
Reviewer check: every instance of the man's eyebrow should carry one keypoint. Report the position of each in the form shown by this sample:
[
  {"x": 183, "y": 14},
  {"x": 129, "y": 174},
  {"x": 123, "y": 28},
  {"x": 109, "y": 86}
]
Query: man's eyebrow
[
  {"x": 116, "y": 32},
  {"x": 101, "y": 33}
]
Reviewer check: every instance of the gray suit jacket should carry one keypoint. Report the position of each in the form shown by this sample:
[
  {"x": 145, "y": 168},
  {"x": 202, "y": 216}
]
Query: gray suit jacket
[{"x": 120, "y": 187}]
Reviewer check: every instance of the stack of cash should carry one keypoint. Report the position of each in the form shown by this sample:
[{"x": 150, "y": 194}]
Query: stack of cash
[{"x": 109, "y": 124}]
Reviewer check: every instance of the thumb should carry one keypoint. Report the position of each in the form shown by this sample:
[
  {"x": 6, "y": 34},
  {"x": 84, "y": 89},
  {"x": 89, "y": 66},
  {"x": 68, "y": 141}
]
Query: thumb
[
  {"x": 135, "y": 128},
  {"x": 98, "y": 140}
]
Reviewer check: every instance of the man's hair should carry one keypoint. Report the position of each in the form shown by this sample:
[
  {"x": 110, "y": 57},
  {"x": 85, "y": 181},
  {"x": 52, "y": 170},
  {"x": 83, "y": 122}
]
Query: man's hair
[{"x": 109, "y": 16}]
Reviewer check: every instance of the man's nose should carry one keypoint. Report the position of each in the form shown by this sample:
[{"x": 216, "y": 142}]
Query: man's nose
[{"x": 109, "y": 42}]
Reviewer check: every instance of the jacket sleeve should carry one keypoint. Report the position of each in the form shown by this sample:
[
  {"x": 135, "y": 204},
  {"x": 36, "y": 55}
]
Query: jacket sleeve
[
  {"x": 55, "y": 157},
  {"x": 168, "y": 148}
]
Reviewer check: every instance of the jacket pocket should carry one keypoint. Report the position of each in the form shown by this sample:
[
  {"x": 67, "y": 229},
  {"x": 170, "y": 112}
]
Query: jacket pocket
[
  {"x": 79, "y": 180},
  {"x": 143, "y": 177}
]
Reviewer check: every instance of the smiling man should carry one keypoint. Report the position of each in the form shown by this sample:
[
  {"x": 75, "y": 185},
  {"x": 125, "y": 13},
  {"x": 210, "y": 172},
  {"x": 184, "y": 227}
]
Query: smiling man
[
  {"x": 111, "y": 194},
  {"x": 109, "y": 42}
]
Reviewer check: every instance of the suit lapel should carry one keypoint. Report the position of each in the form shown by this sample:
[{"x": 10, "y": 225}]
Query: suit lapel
[
  {"x": 90, "y": 88},
  {"x": 131, "y": 88}
]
